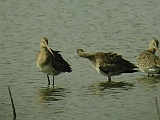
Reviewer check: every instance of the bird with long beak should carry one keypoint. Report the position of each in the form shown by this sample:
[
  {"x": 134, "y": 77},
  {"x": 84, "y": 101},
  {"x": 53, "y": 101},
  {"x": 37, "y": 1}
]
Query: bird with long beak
[
  {"x": 147, "y": 61},
  {"x": 50, "y": 62},
  {"x": 108, "y": 64}
]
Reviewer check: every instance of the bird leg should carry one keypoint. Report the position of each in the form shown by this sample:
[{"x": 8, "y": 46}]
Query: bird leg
[
  {"x": 48, "y": 80},
  {"x": 109, "y": 78},
  {"x": 149, "y": 75},
  {"x": 53, "y": 81}
]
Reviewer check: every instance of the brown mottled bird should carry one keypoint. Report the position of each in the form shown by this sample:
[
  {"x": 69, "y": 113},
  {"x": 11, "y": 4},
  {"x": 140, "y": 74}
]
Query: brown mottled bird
[
  {"x": 49, "y": 61},
  {"x": 147, "y": 61},
  {"x": 108, "y": 64}
]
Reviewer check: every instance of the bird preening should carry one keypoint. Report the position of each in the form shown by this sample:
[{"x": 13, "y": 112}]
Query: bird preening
[
  {"x": 108, "y": 64},
  {"x": 50, "y": 62}
]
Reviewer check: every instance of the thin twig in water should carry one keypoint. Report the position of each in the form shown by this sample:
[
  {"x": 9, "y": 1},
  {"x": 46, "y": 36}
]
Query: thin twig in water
[
  {"x": 157, "y": 107},
  {"x": 14, "y": 111}
]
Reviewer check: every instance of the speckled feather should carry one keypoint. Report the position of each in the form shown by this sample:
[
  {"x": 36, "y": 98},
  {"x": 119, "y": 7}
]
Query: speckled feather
[{"x": 147, "y": 61}]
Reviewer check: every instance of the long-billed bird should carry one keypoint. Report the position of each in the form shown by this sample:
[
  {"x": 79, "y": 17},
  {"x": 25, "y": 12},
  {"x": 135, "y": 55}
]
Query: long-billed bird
[
  {"x": 50, "y": 62},
  {"x": 108, "y": 64}
]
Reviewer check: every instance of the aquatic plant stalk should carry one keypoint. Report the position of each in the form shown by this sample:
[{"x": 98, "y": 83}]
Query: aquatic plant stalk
[
  {"x": 14, "y": 111},
  {"x": 157, "y": 107}
]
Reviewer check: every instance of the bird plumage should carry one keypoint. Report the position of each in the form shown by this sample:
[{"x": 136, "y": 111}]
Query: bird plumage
[
  {"x": 108, "y": 64},
  {"x": 59, "y": 64},
  {"x": 147, "y": 61},
  {"x": 49, "y": 61}
]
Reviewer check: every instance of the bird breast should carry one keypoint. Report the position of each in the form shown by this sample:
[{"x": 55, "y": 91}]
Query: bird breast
[{"x": 43, "y": 59}]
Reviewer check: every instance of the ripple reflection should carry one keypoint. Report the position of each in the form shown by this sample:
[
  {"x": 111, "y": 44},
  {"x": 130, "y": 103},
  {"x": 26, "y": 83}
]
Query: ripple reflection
[
  {"x": 112, "y": 85},
  {"x": 149, "y": 80},
  {"x": 47, "y": 94}
]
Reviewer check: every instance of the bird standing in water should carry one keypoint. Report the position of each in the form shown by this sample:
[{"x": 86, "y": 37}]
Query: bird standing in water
[
  {"x": 147, "y": 61},
  {"x": 108, "y": 64},
  {"x": 50, "y": 62}
]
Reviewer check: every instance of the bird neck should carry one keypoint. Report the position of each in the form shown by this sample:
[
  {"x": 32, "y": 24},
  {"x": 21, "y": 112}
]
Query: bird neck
[
  {"x": 152, "y": 50},
  {"x": 85, "y": 55},
  {"x": 44, "y": 49},
  {"x": 89, "y": 56}
]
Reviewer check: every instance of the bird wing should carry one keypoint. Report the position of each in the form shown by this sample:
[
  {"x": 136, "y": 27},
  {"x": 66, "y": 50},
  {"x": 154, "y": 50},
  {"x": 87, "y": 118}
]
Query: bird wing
[
  {"x": 147, "y": 59},
  {"x": 112, "y": 63},
  {"x": 59, "y": 63}
]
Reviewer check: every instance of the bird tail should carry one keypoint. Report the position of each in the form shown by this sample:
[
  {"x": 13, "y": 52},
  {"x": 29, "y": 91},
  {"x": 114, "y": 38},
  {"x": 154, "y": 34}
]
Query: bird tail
[
  {"x": 69, "y": 69},
  {"x": 130, "y": 71}
]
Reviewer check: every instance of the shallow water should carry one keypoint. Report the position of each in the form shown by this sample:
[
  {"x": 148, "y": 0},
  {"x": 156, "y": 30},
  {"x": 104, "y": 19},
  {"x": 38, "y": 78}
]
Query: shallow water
[{"x": 125, "y": 27}]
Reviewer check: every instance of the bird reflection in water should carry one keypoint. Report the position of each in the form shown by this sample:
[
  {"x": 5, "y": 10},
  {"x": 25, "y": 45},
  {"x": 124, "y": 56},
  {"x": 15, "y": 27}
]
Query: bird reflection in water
[
  {"x": 112, "y": 85},
  {"x": 51, "y": 94},
  {"x": 149, "y": 80}
]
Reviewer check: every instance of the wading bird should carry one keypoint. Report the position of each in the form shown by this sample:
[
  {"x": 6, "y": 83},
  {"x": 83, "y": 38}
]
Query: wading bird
[
  {"x": 108, "y": 64},
  {"x": 147, "y": 61},
  {"x": 50, "y": 62}
]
